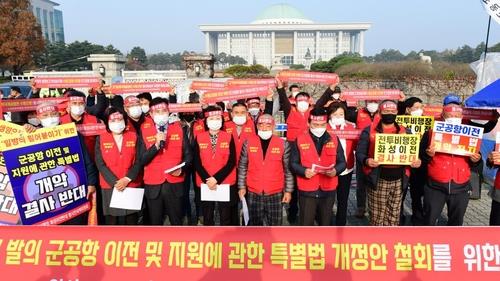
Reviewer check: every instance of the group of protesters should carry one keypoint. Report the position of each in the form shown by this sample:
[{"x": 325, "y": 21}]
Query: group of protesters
[{"x": 307, "y": 173}]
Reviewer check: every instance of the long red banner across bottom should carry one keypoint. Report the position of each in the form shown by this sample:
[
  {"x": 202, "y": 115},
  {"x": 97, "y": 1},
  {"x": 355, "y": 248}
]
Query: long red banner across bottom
[{"x": 249, "y": 253}]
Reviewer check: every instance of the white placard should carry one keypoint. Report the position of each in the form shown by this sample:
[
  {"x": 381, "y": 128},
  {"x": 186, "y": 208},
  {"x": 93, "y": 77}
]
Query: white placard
[
  {"x": 492, "y": 7},
  {"x": 129, "y": 199},
  {"x": 220, "y": 194}
]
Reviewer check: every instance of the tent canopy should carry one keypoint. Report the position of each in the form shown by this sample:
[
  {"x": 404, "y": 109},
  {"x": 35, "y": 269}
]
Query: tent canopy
[{"x": 488, "y": 97}]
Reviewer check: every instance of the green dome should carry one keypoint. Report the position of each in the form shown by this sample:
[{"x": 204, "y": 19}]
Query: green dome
[{"x": 281, "y": 14}]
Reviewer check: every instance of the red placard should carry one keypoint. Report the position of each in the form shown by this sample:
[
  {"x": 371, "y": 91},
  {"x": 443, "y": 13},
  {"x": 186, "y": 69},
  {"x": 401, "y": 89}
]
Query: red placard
[
  {"x": 139, "y": 87},
  {"x": 184, "y": 107},
  {"x": 308, "y": 77},
  {"x": 8, "y": 208},
  {"x": 67, "y": 82},
  {"x": 433, "y": 110},
  {"x": 91, "y": 129},
  {"x": 456, "y": 139},
  {"x": 19, "y": 105},
  {"x": 235, "y": 94},
  {"x": 353, "y": 134},
  {"x": 208, "y": 85},
  {"x": 249, "y": 253},
  {"x": 371, "y": 94},
  {"x": 239, "y": 83}
]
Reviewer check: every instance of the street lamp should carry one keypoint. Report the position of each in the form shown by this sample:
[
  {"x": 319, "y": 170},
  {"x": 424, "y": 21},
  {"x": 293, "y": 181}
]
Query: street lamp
[{"x": 102, "y": 70}]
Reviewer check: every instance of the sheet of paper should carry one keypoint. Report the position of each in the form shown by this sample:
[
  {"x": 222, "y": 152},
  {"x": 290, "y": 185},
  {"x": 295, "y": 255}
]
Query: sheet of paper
[
  {"x": 244, "y": 209},
  {"x": 322, "y": 169},
  {"x": 129, "y": 199},
  {"x": 220, "y": 194},
  {"x": 175, "y": 168}
]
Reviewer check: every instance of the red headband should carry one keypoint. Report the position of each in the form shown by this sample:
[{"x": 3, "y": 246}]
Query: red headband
[
  {"x": 318, "y": 118},
  {"x": 159, "y": 106},
  {"x": 302, "y": 98},
  {"x": 213, "y": 113},
  {"x": 115, "y": 116},
  {"x": 76, "y": 98},
  {"x": 388, "y": 106},
  {"x": 46, "y": 108},
  {"x": 250, "y": 101},
  {"x": 265, "y": 120},
  {"x": 131, "y": 100},
  {"x": 451, "y": 108}
]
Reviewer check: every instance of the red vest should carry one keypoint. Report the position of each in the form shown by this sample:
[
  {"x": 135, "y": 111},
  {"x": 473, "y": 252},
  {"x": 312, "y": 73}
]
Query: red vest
[
  {"x": 371, "y": 150},
  {"x": 350, "y": 144},
  {"x": 309, "y": 156},
  {"x": 248, "y": 129},
  {"x": 265, "y": 175},
  {"x": 170, "y": 156},
  {"x": 213, "y": 162},
  {"x": 296, "y": 123},
  {"x": 497, "y": 180},
  {"x": 89, "y": 140},
  {"x": 364, "y": 120},
  {"x": 444, "y": 168},
  {"x": 198, "y": 127},
  {"x": 119, "y": 162}
]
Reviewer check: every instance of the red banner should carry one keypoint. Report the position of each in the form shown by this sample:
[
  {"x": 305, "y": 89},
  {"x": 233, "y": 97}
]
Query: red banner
[
  {"x": 479, "y": 114},
  {"x": 249, "y": 253},
  {"x": 308, "y": 77},
  {"x": 235, "y": 94},
  {"x": 347, "y": 134},
  {"x": 208, "y": 85},
  {"x": 67, "y": 82},
  {"x": 18, "y": 105},
  {"x": 238, "y": 83},
  {"x": 91, "y": 129},
  {"x": 457, "y": 139},
  {"x": 433, "y": 110},
  {"x": 139, "y": 87},
  {"x": 184, "y": 107},
  {"x": 371, "y": 94}
]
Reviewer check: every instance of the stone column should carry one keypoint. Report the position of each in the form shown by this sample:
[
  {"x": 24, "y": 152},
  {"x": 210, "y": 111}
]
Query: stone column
[
  {"x": 250, "y": 48},
  {"x": 361, "y": 43},
  {"x": 316, "y": 47},
  {"x": 113, "y": 65},
  {"x": 340, "y": 43},
  {"x": 295, "y": 51}
]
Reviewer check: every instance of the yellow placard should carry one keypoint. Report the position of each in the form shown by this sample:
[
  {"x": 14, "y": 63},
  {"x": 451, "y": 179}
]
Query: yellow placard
[
  {"x": 417, "y": 124},
  {"x": 396, "y": 149}
]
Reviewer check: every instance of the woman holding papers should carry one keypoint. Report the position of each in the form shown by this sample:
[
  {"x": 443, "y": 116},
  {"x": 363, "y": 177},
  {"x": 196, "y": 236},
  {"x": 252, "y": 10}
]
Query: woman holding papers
[
  {"x": 215, "y": 161},
  {"x": 117, "y": 159}
]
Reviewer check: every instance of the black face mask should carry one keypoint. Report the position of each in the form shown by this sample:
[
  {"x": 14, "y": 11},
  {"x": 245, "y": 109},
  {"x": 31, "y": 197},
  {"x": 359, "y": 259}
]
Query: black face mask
[{"x": 388, "y": 118}]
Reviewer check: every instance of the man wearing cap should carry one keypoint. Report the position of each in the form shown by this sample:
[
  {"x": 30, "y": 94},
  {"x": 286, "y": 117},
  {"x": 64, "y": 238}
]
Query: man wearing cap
[
  {"x": 166, "y": 146},
  {"x": 132, "y": 106},
  {"x": 317, "y": 159},
  {"x": 448, "y": 179},
  {"x": 264, "y": 174},
  {"x": 49, "y": 117},
  {"x": 385, "y": 182}
]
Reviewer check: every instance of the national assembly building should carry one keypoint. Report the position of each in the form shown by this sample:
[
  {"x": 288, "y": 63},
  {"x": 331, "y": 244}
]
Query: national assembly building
[{"x": 281, "y": 36}]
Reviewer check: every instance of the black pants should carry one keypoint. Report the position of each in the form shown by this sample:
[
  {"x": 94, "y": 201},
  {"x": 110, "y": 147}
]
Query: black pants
[
  {"x": 82, "y": 219},
  {"x": 495, "y": 213},
  {"x": 228, "y": 211},
  {"x": 434, "y": 200},
  {"x": 342, "y": 199},
  {"x": 360, "y": 186},
  {"x": 312, "y": 208},
  {"x": 187, "y": 201},
  {"x": 165, "y": 200},
  {"x": 122, "y": 220}
]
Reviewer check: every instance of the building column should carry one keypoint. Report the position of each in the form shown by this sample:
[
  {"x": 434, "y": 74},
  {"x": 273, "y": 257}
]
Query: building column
[
  {"x": 250, "y": 48},
  {"x": 316, "y": 47},
  {"x": 228, "y": 37},
  {"x": 295, "y": 51},
  {"x": 340, "y": 43},
  {"x": 361, "y": 43},
  {"x": 207, "y": 42},
  {"x": 272, "y": 47}
]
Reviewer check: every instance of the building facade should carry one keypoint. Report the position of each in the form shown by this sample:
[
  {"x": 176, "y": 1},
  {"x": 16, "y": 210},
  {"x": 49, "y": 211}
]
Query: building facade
[
  {"x": 281, "y": 36},
  {"x": 50, "y": 19}
]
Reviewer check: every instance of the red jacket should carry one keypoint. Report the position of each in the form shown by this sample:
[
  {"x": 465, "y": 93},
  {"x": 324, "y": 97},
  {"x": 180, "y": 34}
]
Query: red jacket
[
  {"x": 350, "y": 144},
  {"x": 309, "y": 156},
  {"x": 89, "y": 140},
  {"x": 497, "y": 180},
  {"x": 213, "y": 162},
  {"x": 119, "y": 162},
  {"x": 170, "y": 156},
  {"x": 248, "y": 129},
  {"x": 364, "y": 120},
  {"x": 265, "y": 175},
  {"x": 198, "y": 127},
  {"x": 296, "y": 123}
]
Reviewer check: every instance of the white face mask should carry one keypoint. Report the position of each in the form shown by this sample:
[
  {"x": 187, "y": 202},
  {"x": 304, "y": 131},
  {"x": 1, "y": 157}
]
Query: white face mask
[
  {"x": 77, "y": 110},
  {"x": 135, "y": 111},
  {"x": 318, "y": 132},
  {"x": 302, "y": 106},
  {"x": 161, "y": 119},
  {"x": 117, "y": 127},
  {"x": 214, "y": 124},
  {"x": 240, "y": 120},
  {"x": 372, "y": 107},
  {"x": 453, "y": 120},
  {"x": 265, "y": 135},
  {"x": 50, "y": 122},
  {"x": 145, "y": 108},
  {"x": 417, "y": 112},
  {"x": 34, "y": 121},
  {"x": 337, "y": 121},
  {"x": 254, "y": 111},
  {"x": 336, "y": 96}
]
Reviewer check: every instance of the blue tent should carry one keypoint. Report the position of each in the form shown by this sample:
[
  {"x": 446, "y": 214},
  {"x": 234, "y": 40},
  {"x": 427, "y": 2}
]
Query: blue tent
[{"x": 489, "y": 96}]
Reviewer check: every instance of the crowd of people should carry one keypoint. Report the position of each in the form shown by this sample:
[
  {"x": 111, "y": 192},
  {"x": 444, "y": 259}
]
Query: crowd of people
[{"x": 234, "y": 143}]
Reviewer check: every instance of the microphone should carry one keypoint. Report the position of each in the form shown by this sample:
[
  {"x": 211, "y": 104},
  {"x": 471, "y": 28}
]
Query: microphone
[{"x": 162, "y": 142}]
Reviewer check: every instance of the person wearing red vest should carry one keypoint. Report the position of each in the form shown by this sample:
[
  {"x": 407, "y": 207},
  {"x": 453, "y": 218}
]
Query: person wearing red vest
[
  {"x": 317, "y": 159},
  {"x": 337, "y": 125},
  {"x": 448, "y": 179},
  {"x": 166, "y": 146},
  {"x": 264, "y": 174},
  {"x": 385, "y": 182},
  {"x": 215, "y": 164},
  {"x": 494, "y": 157},
  {"x": 132, "y": 106},
  {"x": 118, "y": 162},
  {"x": 241, "y": 126}
]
